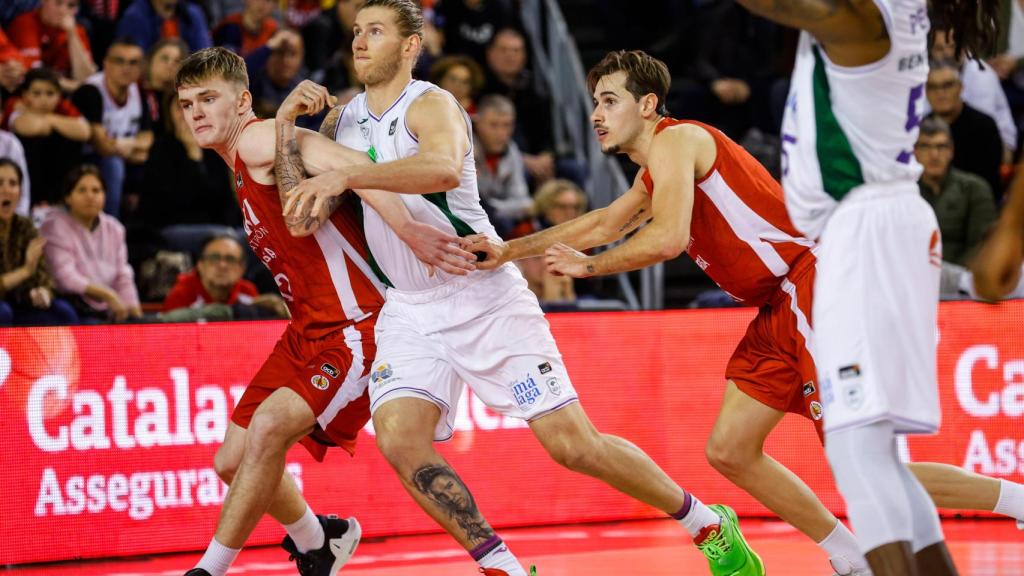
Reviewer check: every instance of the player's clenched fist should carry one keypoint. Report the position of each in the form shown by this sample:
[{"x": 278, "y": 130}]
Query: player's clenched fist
[
  {"x": 494, "y": 249},
  {"x": 563, "y": 260},
  {"x": 307, "y": 98}
]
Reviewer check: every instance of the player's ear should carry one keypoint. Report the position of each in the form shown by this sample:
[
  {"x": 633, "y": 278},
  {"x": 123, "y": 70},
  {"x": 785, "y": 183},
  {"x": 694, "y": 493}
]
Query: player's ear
[
  {"x": 648, "y": 105},
  {"x": 413, "y": 44},
  {"x": 244, "y": 102}
]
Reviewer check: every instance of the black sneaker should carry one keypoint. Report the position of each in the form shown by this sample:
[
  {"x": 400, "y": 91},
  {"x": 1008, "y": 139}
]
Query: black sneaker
[
  {"x": 340, "y": 540},
  {"x": 197, "y": 572}
]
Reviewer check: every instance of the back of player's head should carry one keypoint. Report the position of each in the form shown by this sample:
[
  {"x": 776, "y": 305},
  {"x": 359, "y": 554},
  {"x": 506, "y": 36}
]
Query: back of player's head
[
  {"x": 974, "y": 24},
  {"x": 645, "y": 74},
  {"x": 212, "y": 63},
  {"x": 408, "y": 15}
]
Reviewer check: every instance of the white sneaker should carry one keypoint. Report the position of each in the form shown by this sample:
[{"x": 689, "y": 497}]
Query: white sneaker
[
  {"x": 341, "y": 537},
  {"x": 843, "y": 567}
]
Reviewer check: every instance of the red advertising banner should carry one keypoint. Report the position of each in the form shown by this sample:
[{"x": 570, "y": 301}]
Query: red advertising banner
[{"x": 109, "y": 433}]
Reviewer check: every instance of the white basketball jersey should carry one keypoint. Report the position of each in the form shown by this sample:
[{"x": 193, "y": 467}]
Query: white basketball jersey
[
  {"x": 119, "y": 121},
  {"x": 458, "y": 211},
  {"x": 844, "y": 126}
]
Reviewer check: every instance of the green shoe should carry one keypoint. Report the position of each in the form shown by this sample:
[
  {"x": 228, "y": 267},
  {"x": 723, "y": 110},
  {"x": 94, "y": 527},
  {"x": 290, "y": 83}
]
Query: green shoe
[
  {"x": 727, "y": 552},
  {"x": 533, "y": 571}
]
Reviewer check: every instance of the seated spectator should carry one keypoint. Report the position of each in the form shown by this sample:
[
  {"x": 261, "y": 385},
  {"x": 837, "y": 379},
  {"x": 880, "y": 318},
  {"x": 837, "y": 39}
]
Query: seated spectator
[
  {"x": 11, "y": 149},
  {"x": 962, "y": 202},
  {"x": 12, "y": 65},
  {"x": 217, "y": 10},
  {"x": 51, "y": 130},
  {"x": 470, "y": 25},
  {"x": 217, "y": 279},
  {"x": 507, "y": 75},
  {"x": 49, "y": 36},
  {"x": 298, "y": 13},
  {"x": 274, "y": 71},
  {"x": 556, "y": 202},
  {"x": 26, "y": 287},
  {"x": 11, "y": 9},
  {"x": 328, "y": 42},
  {"x": 247, "y": 30},
  {"x": 112, "y": 102},
  {"x": 102, "y": 17},
  {"x": 978, "y": 149},
  {"x": 162, "y": 63},
  {"x": 981, "y": 89},
  {"x": 147, "y": 21},
  {"x": 461, "y": 76},
  {"x": 500, "y": 173},
  {"x": 186, "y": 191},
  {"x": 86, "y": 251}
]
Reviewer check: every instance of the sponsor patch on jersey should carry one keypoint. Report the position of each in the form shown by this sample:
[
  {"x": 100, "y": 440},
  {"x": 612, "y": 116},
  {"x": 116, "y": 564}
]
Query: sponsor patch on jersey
[
  {"x": 391, "y": 130},
  {"x": 319, "y": 382},
  {"x": 329, "y": 370},
  {"x": 381, "y": 372},
  {"x": 808, "y": 388},
  {"x": 238, "y": 181},
  {"x": 816, "y": 410},
  {"x": 526, "y": 392},
  {"x": 554, "y": 386},
  {"x": 544, "y": 368},
  {"x": 851, "y": 371}
]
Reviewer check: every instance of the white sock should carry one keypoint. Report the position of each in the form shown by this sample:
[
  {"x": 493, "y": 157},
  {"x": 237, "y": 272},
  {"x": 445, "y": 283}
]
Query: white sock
[
  {"x": 306, "y": 532},
  {"x": 503, "y": 559},
  {"x": 842, "y": 544},
  {"x": 1011, "y": 500},
  {"x": 218, "y": 558},
  {"x": 698, "y": 518}
]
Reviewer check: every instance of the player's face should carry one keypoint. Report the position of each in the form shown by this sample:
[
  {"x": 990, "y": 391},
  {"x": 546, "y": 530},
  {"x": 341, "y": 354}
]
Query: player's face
[
  {"x": 212, "y": 110},
  {"x": 10, "y": 192},
  {"x": 377, "y": 45},
  {"x": 616, "y": 118}
]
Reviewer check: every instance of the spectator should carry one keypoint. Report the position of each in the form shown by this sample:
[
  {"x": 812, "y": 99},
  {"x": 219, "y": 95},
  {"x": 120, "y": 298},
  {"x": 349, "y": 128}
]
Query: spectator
[
  {"x": 328, "y": 41},
  {"x": 147, "y": 21},
  {"x": 25, "y": 283},
  {"x": 962, "y": 202},
  {"x": 274, "y": 71},
  {"x": 470, "y": 25},
  {"x": 49, "y": 36},
  {"x": 51, "y": 130},
  {"x": 12, "y": 65},
  {"x": 112, "y": 102},
  {"x": 556, "y": 202},
  {"x": 10, "y": 9},
  {"x": 461, "y": 76},
  {"x": 245, "y": 31},
  {"x": 298, "y": 13},
  {"x": 186, "y": 191},
  {"x": 217, "y": 279},
  {"x": 102, "y": 16},
  {"x": 981, "y": 89},
  {"x": 162, "y": 63},
  {"x": 217, "y": 10},
  {"x": 11, "y": 149},
  {"x": 507, "y": 75},
  {"x": 977, "y": 146},
  {"x": 500, "y": 173},
  {"x": 86, "y": 250}
]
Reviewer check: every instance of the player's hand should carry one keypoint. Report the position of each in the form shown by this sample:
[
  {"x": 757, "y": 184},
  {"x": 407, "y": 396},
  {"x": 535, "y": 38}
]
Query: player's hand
[
  {"x": 310, "y": 196},
  {"x": 495, "y": 250},
  {"x": 437, "y": 249},
  {"x": 997, "y": 267},
  {"x": 563, "y": 260},
  {"x": 307, "y": 98},
  {"x": 41, "y": 297}
]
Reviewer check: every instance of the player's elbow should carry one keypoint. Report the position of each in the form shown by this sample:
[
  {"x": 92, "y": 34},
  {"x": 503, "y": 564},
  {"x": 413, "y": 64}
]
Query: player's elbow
[
  {"x": 449, "y": 178},
  {"x": 671, "y": 249}
]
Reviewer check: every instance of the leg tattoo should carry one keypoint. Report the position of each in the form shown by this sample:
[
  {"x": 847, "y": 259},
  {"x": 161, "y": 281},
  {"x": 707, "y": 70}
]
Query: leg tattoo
[{"x": 440, "y": 483}]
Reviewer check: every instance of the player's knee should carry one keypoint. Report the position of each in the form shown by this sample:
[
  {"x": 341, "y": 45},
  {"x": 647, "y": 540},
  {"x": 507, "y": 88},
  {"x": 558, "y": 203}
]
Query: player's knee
[
  {"x": 266, "y": 434},
  {"x": 397, "y": 443},
  {"x": 225, "y": 463},
  {"x": 728, "y": 458},
  {"x": 578, "y": 456}
]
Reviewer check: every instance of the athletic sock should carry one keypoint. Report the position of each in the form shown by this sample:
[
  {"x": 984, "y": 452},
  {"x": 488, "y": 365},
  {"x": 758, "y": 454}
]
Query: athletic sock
[
  {"x": 493, "y": 553},
  {"x": 1011, "y": 500},
  {"x": 306, "y": 532},
  {"x": 218, "y": 558},
  {"x": 841, "y": 544},
  {"x": 694, "y": 515}
]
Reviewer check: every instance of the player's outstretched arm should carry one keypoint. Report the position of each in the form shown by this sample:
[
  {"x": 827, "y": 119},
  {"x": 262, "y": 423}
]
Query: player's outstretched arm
[
  {"x": 832, "y": 22},
  {"x": 671, "y": 165},
  {"x": 997, "y": 266}
]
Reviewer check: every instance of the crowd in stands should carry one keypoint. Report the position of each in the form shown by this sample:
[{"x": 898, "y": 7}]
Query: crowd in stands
[{"x": 106, "y": 200}]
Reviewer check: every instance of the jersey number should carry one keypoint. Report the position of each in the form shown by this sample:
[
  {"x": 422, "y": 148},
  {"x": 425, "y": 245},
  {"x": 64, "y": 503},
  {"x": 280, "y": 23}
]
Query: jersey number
[{"x": 913, "y": 120}]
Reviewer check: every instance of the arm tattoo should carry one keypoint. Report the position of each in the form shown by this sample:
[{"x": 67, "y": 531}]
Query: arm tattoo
[
  {"x": 632, "y": 220},
  {"x": 443, "y": 487},
  {"x": 289, "y": 170},
  {"x": 329, "y": 127}
]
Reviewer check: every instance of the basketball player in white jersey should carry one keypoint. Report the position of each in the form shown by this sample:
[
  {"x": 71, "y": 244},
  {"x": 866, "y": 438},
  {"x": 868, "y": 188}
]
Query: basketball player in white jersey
[
  {"x": 849, "y": 178},
  {"x": 438, "y": 333}
]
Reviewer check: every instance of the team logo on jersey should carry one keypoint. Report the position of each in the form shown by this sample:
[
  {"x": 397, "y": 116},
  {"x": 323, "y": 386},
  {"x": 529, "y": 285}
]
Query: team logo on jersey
[
  {"x": 853, "y": 396},
  {"x": 816, "y": 410},
  {"x": 544, "y": 368},
  {"x": 808, "y": 388},
  {"x": 526, "y": 392},
  {"x": 238, "y": 181},
  {"x": 391, "y": 130},
  {"x": 319, "y": 382},
  {"x": 851, "y": 371},
  {"x": 365, "y": 129},
  {"x": 329, "y": 370},
  {"x": 554, "y": 386},
  {"x": 382, "y": 372}
]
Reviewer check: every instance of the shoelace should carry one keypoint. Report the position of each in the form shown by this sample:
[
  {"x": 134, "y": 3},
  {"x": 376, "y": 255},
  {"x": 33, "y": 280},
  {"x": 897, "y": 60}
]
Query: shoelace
[
  {"x": 303, "y": 562},
  {"x": 715, "y": 546}
]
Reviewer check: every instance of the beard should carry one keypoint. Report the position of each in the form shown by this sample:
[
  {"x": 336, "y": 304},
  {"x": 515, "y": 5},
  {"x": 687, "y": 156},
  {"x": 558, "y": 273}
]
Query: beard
[{"x": 383, "y": 71}]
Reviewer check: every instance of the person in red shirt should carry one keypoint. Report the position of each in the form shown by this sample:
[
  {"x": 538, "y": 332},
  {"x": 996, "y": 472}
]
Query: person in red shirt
[
  {"x": 247, "y": 30},
  {"x": 12, "y": 65},
  {"x": 216, "y": 279},
  {"x": 49, "y": 36}
]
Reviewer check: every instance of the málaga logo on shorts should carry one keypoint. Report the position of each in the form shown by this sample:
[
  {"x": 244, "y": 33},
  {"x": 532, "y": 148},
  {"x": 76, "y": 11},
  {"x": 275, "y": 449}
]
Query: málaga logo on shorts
[
  {"x": 526, "y": 392},
  {"x": 382, "y": 372},
  {"x": 319, "y": 382}
]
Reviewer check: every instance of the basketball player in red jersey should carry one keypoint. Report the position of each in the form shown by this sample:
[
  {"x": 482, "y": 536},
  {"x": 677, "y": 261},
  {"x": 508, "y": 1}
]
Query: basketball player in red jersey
[
  {"x": 704, "y": 194},
  {"x": 312, "y": 389}
]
